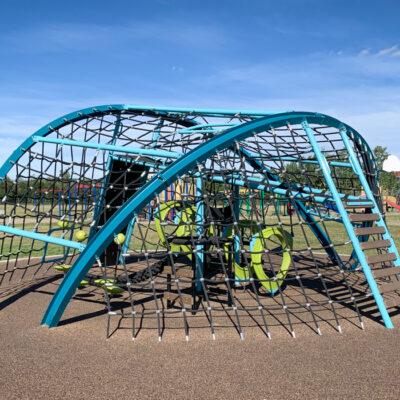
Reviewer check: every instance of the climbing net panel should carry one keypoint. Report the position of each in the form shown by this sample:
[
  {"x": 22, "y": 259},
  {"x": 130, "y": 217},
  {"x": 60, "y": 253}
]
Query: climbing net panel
[
  {"x": 59, "y": 184},
  {"x": 217, "y": 244},
  {"x": 279, "y": 224}
]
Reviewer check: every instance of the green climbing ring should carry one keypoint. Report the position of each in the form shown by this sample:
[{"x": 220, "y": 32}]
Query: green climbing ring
[
  {"x": 258, "y": 248},
  {"x": 242, "y": 273},
  {"x": 184, "y": 221}
]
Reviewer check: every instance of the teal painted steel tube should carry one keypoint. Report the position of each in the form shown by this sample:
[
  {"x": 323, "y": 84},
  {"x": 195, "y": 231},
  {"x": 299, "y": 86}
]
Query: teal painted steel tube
[
  {"x": 210, "y": 128},
  {"x": 304, "y": 189},
  {"x": 119, "y": 220},
  {"x": 156, "y": 185},
  {"x": 103, "y": 189},
  {"x": 348, "y": 225},
  {"x": 47, "y": 129},
  {"x": 305, "y": 161},
  {"x": 109, "y": 108},
  {"x": 42, "y": 237},
  {"x": 369, "y": 194},
  {"x": 199, "y": 219},
  {"x": 156, "y": 134},
  {"x": 206, "y": 111},
  {"x": 109, "y": 147}
]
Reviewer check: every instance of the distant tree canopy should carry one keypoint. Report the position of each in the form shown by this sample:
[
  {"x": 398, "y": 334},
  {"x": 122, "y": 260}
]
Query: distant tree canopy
[
  {"x": 388, "y": 181},
  {"x": 381, "y": 155},
  {"x": 38, "y": 185},
  {"x": 302, "y": 173},
  {"x": 311, "y": 174}
]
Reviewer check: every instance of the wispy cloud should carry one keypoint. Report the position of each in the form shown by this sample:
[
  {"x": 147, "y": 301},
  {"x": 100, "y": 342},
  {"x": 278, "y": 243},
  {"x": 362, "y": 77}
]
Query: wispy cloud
[
  {"x": 392, "y": 51},
  {"x": 190, "y": 62},
  {"x": 364, "y": 92},
  {"x": 364, "y": 53},
  {"x": 311, "y": 75},
  {"x": 53, "y": 38}
]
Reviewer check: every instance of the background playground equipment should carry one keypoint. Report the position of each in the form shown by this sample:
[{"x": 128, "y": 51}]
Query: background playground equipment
[
  {"x": 391, "y": 202},
  {"x": 196, "y": 195}
]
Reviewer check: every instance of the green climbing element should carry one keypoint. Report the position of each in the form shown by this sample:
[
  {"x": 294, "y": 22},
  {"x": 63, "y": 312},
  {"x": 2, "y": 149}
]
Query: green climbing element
[
  {"x": 242, "y": 273},
  {"x": 62, "y": 267},
  {"x": 83, "y": 283},
  {"x": 109, "y": 285},
  {"x": 65, "y": 268},
  {"x": 102, "y": 281},
  {"x": 112, "y": 288},
  {"x": 184, "y": 221},
  {"x": 258, "y": 247},
  {"x": 80, "y": 235},
  {"x": 63, "y": 224},
  {"x": 119, "y": 239}
]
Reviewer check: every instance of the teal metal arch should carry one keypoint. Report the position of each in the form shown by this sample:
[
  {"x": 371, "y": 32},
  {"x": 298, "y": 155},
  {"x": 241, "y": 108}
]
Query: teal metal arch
[
  {"x": 166, "y": 113},
  {"x": 368, "y": 161},
  {"x": 109, "y": 108},
  {"x": 122, "y": 217}
]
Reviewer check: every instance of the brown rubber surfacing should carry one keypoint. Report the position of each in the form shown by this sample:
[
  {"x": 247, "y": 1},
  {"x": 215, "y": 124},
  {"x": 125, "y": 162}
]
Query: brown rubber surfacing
[{"x": 76, "y": 361}]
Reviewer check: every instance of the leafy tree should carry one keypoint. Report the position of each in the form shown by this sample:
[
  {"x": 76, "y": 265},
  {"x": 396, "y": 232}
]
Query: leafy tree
[
  {"x": 388, "y": 181},
  {"x": 381, "y": 155}
]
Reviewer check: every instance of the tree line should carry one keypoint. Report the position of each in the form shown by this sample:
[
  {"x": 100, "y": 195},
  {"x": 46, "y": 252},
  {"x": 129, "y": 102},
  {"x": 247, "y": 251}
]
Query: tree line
[{"x": 388, "y": 181}]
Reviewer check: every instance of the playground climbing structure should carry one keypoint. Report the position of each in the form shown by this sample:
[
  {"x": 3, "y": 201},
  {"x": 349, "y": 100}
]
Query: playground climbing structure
[{"x": 178, "y": 212}]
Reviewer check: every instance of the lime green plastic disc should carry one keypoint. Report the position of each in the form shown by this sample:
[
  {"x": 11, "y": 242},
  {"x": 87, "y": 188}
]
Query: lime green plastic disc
[
  {"x": 112, "y": 289},
  {"x": 185, "y": 219},
  {"x": 242, "y": 273},
  {"x": 102, "y": 281},
  {"x": 63, "y": 224},
  {"x": 257, "y": 248},
  {"x": 84, "y": 282},
  {"x": 62, "y": 267},
  {"x": 119, "y": 239}
]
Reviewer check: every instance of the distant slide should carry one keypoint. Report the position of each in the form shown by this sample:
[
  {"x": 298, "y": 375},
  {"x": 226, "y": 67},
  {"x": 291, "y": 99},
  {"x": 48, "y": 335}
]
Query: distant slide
[{"x": 392, "y": 204}]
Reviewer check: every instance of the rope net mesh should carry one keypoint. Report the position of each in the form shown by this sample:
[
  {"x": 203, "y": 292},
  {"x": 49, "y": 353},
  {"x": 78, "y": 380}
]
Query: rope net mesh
[
  {"x": 232, "y": 242},
  {"x": 57, "y": 189}
]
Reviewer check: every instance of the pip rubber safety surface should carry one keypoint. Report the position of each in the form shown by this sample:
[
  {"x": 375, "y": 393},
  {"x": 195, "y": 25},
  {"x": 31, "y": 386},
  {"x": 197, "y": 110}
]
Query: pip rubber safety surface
[{"x": 75, "y": 361}]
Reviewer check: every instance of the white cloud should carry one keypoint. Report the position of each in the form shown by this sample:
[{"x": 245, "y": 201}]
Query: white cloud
[
  {"x": 392, "y": 164},
  {"x": 379, "y": 127},
  {"x": 393, "y": 51},
  {"x": 364, "y": 92},
  {"x": 364, "y": 52}
]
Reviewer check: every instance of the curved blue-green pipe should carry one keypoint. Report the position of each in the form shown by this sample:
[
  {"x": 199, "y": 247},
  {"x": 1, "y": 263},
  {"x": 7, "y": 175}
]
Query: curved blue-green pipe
[
  {"x": 162, "y": 111},
  {"x": 51, "y": 127},
  {"x": 122, "y": 217},
  {"x": 109, "y": 108}
]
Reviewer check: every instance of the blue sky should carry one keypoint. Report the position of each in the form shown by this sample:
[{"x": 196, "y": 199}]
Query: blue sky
[{"x": 337, "y": 57}]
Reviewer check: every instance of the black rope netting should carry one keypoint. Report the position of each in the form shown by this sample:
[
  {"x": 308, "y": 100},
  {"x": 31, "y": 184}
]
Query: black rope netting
[{"x": 251, "y": 235}]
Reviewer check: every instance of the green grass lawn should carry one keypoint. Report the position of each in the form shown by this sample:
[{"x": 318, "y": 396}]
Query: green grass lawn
[{"x": 336, "y": 232}]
